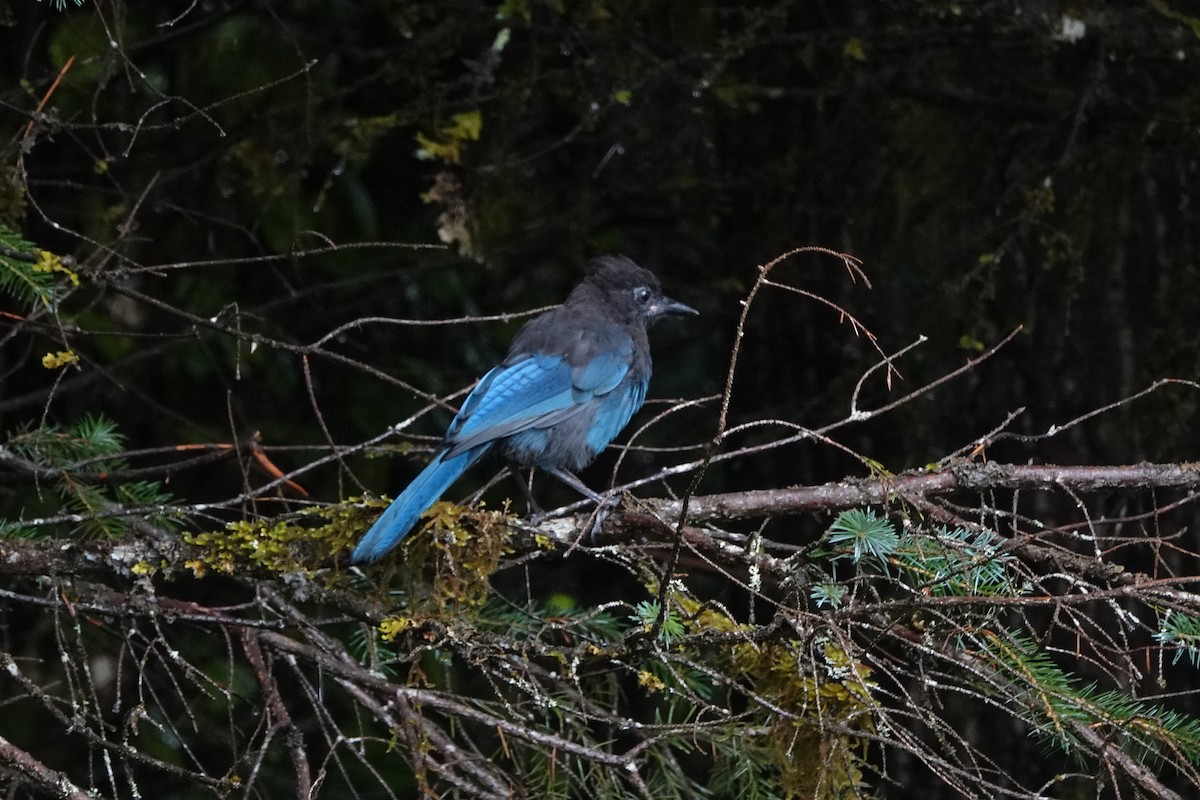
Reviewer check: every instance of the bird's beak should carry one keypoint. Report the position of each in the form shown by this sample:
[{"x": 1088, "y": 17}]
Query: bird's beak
[{"x": 665, "y": 305}]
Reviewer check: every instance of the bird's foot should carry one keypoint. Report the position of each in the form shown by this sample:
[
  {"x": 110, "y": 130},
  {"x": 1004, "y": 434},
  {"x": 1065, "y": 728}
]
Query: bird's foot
[{"x": 606, "y": 504}]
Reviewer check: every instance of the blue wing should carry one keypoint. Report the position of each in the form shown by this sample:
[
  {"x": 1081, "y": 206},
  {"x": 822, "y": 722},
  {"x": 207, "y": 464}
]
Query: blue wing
[{"x": 535, "y": 391}]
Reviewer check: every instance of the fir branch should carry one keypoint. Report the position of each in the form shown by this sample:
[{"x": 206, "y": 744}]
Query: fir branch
[
  {"x": 1059, "y": 707},
  {"x": 1183, "y": 631},
  {"x": 53, "y": 451}
]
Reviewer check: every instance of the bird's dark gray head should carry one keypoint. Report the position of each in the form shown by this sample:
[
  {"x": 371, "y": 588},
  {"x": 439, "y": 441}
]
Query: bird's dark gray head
[{"x": 634, "y": 291}]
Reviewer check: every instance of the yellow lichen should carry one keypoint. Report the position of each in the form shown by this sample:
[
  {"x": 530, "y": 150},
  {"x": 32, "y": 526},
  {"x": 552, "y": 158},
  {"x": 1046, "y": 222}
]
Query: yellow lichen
[
  {"x": 49, "y": 262},
  {"x": 819, "y": 685},
  {"x": 650, "y": 681},
  {"x": 447, "y": 145},
  {"x": 283, "y": 546},
  {"x": 391, "y": 627},
  {"x": 455, "y": 554},
  {"x": 60, "y": 359}
]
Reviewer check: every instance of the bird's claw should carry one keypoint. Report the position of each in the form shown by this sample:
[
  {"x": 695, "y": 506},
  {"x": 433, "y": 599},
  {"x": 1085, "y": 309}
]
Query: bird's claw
[{"x": 606, "y": 505}]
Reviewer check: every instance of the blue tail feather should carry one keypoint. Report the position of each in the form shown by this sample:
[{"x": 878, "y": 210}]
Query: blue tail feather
[{"x": 398, "y": 519}]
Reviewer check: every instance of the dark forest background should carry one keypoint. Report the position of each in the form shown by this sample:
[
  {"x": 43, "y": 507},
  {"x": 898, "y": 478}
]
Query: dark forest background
[{"x": 246, "y": 190}]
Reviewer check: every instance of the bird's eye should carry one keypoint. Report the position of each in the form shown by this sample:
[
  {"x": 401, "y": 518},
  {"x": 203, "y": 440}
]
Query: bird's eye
[{"x": 641, "y": 294}]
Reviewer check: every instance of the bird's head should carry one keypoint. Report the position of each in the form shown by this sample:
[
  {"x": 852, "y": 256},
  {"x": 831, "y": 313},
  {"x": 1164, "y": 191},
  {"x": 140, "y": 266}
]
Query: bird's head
[{"x": 632, "y": 290}]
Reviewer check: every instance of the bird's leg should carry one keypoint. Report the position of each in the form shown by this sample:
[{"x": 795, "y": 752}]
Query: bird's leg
[
  {"x": 604, "y": 503},
  {"x": 535, "y": 511},
  {"x": 570, "y": 479}
]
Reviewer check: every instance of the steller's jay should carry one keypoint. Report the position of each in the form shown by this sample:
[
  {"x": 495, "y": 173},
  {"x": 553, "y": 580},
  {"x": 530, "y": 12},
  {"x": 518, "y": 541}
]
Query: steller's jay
[{"x": 571, "y": 381}]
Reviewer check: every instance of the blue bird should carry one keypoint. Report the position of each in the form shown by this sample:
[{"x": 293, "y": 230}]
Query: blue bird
[{"x": 572, "y": 379}]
